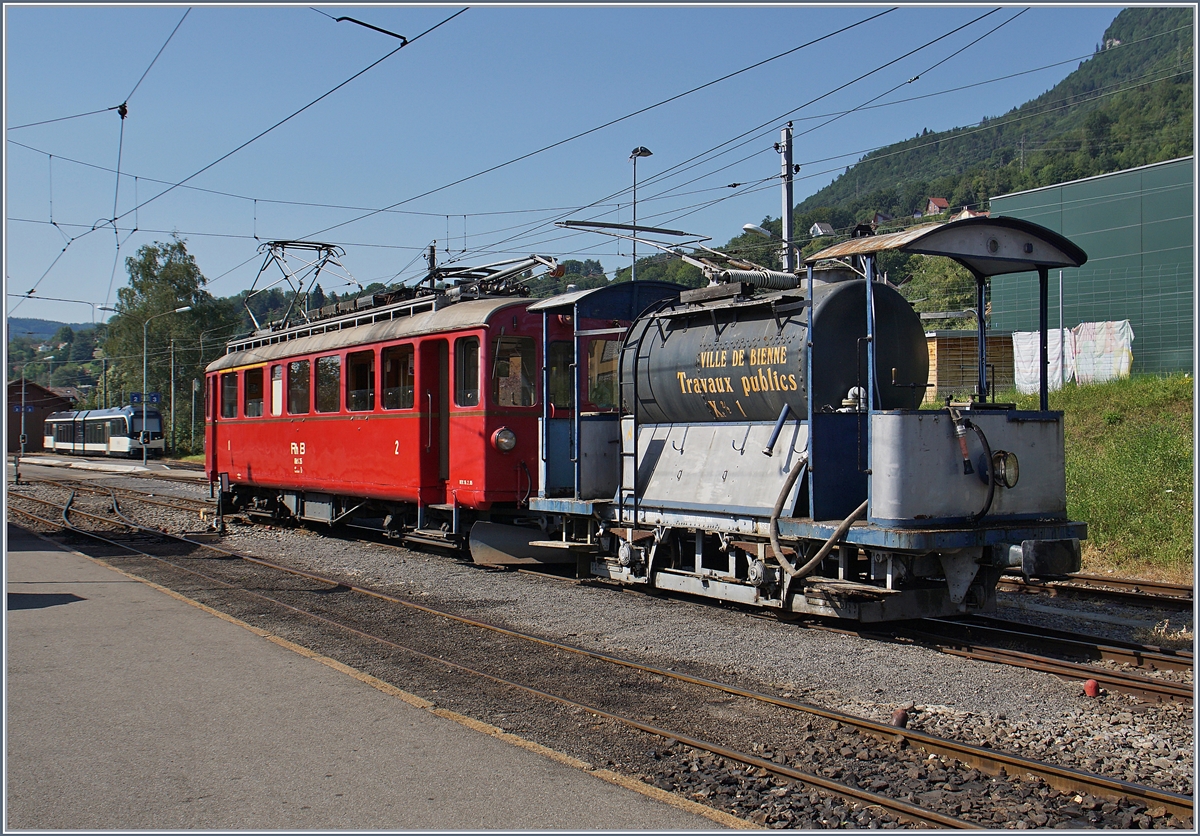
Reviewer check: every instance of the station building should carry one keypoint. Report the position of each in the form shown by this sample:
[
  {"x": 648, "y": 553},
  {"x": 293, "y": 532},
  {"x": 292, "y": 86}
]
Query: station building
[
  {"x": 38, "y": 403},
  {"x": 1138, "y": 229}
]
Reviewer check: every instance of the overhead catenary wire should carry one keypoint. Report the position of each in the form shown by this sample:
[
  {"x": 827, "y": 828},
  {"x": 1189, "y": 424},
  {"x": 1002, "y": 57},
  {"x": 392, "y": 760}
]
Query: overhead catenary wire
[
  {"x": 992, "y": 124},
  {"x": 698, "y": 159},
  {"x": 883, "y": 104},
  {"x": 295, "y": 113},
  {"x": 1124, "y": 45},
  {"x": 1107, "y": 51},
  {"x": 261, "y": 134},
  {"x": 602, "y": 126}
]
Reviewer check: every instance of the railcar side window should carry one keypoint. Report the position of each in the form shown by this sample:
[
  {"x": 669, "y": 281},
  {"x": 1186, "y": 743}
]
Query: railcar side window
[
  {"x": 399, "y": 377},
  {"x": 602, "y": 372},
  {"x": 360, "y": 381},
  {"x": 466, "y": 371},
  {"x": 252, "y": 385},
  {"x": 229, "y": 395},
  {"x": 562, "y": 388},
  {"x": 299, "y": 382},
  {"x": 329, "y": 383},
  {"x": 276, "y": 390},
  {"x": 514, "y": 372}
]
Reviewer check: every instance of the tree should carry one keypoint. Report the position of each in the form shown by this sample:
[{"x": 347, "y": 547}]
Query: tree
[
  {"x": 937, "y": 285},
  {"x": 162, "y": 278}
]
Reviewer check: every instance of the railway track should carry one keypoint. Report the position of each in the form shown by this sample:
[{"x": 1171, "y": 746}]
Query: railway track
[
  {"x": 1128, "y": 591},
  {"x": 985, "y": 760},
  {"x": 1072, "y": 656},
  {"x": 993, "y": 644},
  {"x": 204, "y": 509}
]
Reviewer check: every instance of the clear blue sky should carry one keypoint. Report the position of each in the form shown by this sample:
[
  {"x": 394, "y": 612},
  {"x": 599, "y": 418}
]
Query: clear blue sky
[{"x": 491, "y": 85}]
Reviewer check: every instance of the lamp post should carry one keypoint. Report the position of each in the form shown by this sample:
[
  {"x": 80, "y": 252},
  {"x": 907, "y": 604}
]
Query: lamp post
[
  {"x": 145, "y": 335},
  {"x": 640, "y": 151}
]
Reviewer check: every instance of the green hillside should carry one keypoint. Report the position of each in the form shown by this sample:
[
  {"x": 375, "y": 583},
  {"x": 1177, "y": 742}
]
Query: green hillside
[{"x": 1130, "y": 104}]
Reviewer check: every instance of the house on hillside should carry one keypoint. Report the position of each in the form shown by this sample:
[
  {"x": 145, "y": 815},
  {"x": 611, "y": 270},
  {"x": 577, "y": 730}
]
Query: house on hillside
[
  {"x": 969, "y": 213},
  {"x": 71, "y": 393},
  {"x": 35, "y": 404},
  {"x": 881, "y": 218},
  {"x": 936, "y": 206},
  {"x": 820, "y": 228}
]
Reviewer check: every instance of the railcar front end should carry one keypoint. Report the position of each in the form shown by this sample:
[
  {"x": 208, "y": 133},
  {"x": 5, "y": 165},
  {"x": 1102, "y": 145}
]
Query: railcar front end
[{"x": 118, "y": 431}]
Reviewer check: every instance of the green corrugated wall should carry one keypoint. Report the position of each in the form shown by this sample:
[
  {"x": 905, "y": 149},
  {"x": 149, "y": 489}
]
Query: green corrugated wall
[{"x": 1137, "y": 227}]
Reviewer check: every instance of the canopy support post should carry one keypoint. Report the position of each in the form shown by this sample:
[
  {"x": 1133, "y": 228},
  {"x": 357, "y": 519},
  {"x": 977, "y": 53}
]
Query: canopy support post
[
  {"x": 1043, "y": 329},
  {"x": 981, "y": 328}
]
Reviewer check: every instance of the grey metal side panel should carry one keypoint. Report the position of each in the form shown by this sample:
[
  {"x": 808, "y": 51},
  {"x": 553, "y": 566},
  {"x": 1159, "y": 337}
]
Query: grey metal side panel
[
  {"x": 599, "y": 449},
  {"x": 917, "y": 473},
  {"x": 713, "y": 468}
]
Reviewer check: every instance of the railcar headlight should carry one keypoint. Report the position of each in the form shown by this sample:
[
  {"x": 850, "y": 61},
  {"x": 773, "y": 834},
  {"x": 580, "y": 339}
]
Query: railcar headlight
[
  {"x": 1006, "y": 468},
  {"x": 504, "y": 439}
]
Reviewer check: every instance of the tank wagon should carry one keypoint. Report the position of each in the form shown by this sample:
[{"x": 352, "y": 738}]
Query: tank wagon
[
  {"x": 758, "y": 440},
  {"x": 105, "y": 432}
]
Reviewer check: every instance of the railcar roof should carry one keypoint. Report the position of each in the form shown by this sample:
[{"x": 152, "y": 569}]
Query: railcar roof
[
  {"x": 110, "y": 412},
  {"x": 987, "y": 246},
  {"x": 617, "y": 300},
  {"x": 370, "y": 326}
]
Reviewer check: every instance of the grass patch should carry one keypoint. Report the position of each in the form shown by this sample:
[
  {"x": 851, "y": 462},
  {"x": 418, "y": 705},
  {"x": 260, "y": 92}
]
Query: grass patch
[{"x": 1129, "y": 451}]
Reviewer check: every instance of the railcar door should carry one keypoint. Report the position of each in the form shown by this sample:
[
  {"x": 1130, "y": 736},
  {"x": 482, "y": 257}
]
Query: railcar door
[{"x": 434, "y": 385}]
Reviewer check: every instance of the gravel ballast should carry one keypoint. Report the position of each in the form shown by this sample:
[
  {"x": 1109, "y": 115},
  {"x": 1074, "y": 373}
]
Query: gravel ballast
[{"x": 1023, "y": 712}]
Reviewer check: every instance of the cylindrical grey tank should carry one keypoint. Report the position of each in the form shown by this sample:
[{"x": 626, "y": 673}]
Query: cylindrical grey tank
[{"x": 742, "y": 360}]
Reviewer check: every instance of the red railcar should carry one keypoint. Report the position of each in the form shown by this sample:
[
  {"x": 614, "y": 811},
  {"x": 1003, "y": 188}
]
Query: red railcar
[{"x": 412, "y": 412}]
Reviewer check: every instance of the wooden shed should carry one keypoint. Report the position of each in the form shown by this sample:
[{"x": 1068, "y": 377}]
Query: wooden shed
[
  {"x": 38, "y": 403},
  {"x": 954, "y": 359}
]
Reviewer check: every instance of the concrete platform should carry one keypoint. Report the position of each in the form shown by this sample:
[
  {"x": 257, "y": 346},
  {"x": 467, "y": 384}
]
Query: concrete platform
[{"x": 128, "y": 708}]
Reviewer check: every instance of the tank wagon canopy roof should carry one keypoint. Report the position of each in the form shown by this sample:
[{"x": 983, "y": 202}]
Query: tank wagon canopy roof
[
  {"x": 620, "y": 300},
  {"x": 985, "y": 246},
  {"x": 337, "y": 334}
]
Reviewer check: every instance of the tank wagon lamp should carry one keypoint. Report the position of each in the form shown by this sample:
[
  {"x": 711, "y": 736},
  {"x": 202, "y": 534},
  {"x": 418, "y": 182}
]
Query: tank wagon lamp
[
  {"x": 640, "y": 151},
  {"x": 145, "y": 334}
]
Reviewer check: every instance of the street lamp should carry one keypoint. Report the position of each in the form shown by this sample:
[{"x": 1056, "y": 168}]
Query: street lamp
[
  {"x": 640, "y": 151},
  {"x": 145, "y": 334},
  {"x": 766, "y": 233}
]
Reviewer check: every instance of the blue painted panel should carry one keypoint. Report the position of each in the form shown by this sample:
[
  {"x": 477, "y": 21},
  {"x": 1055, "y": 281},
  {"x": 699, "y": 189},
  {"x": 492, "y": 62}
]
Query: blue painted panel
[
  {"x": 560, "y": 472},
  {"x": 838, "y": 463}
]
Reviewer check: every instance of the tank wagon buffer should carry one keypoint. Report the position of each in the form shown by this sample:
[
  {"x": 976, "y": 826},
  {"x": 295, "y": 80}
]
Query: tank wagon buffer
[{"x": 772, "y": 450}]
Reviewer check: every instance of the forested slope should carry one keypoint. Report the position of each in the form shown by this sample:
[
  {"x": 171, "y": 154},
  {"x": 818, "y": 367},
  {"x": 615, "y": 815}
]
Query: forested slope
[{"x": 1130, "y": 104}]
